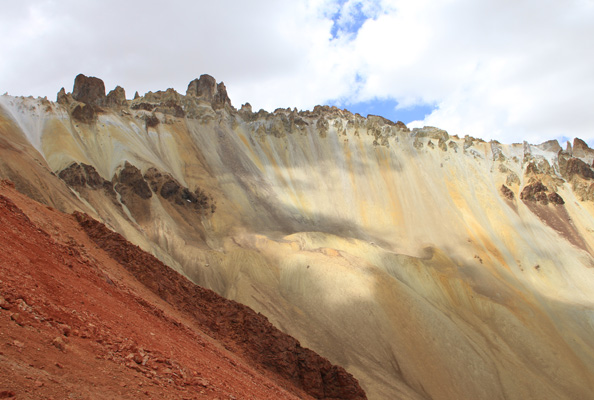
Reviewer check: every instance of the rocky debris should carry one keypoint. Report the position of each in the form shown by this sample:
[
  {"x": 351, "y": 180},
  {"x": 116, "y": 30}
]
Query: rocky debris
[
  {"x": 206, "y": 88},
  {"x": 236, "y": 326},
  {"x": 89, "y": 90},
  {"x": 506, "y": 192},
  {"x": 130, "y": 181},
  {"x": 59, "y": 343},
  {"x": 116, "y": 98},
  {"x": 4, "y": 304}
]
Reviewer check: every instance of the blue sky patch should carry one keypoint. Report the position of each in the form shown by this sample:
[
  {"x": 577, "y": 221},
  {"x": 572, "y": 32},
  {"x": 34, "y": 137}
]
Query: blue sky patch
[
  {"x": 348, "y": 20},
  {"x": 387, "y": 109}
]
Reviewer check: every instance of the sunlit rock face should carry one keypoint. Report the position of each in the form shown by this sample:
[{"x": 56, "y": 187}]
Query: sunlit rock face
[{"x": 429, "y": 266}]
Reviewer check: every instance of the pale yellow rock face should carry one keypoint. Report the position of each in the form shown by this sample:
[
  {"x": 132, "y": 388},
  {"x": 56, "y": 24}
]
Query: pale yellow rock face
[{"x": 373, "y": 246}]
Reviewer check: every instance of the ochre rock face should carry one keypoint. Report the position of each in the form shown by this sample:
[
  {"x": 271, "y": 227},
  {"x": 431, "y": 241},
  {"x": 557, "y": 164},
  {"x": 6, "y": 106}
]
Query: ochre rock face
[{"x": 426, "y": 265}]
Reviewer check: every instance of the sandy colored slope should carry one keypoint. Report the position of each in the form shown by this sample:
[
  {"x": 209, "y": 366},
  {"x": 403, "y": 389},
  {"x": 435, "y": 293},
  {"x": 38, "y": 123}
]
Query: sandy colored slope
[{"x": 402, "y": 263}]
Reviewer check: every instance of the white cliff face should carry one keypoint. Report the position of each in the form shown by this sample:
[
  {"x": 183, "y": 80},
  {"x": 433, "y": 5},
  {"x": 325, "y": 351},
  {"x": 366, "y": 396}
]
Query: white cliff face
[{"x": 393, "y": 253}]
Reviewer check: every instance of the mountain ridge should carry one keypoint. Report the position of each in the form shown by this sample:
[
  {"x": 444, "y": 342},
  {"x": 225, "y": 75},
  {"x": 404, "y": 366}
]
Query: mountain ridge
[{"x": 413, "y": 258}]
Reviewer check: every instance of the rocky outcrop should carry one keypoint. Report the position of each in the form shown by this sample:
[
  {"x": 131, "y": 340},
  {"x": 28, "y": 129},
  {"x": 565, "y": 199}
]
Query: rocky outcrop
[
  {"x": 89, "y": 90},
  {"x": 554, "y": 198},
  {"x": 550, "y": 145},
  {"x": 84, "y": 175},
  {"x": 506, "y": 192},
  {"x": 238, "y": 327},
  {"x": 170, "y": 189},
  {"x": 116, "y": 98},
  {"x": 570, "y": 167},
  {"x": 84, "y": 113},
  {"x": 581, "y": 149},
  {"x": 64, "y": 98},
  {"x": 206, "y": 88},
  {"x": 535, "y": 192},
  {"x": 130, "y": 180}
]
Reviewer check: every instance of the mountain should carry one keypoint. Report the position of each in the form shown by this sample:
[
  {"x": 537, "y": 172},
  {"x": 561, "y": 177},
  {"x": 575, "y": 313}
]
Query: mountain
[{"x": 428, "y": 266}]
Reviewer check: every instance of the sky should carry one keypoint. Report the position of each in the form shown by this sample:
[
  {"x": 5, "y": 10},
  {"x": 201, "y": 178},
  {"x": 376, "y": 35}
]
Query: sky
[{"x": 492, "y": 69}]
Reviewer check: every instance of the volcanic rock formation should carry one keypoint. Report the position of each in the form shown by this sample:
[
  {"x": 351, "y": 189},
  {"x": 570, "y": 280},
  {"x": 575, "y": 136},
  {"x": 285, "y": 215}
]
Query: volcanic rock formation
[{"x": 428, "y": 266}]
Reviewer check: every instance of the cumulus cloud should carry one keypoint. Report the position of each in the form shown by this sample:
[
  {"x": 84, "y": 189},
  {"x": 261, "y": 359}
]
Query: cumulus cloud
[{"x": 494, "y": 69}]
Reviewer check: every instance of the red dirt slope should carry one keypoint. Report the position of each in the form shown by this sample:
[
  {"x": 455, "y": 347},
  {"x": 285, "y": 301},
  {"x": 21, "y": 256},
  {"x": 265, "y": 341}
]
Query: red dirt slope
[{"x": 94, "y": 317}]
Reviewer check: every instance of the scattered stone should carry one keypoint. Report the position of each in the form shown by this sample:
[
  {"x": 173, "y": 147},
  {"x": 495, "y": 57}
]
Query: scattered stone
[
  {"x": 4, "y": 304},
  {"x": 18, "y": 319},
  {"x": 7, "y": 394},
  {"x": 59, "y": 343}
]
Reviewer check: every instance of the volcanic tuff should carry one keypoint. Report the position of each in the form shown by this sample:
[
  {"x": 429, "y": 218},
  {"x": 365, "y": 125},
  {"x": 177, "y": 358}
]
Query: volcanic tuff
[{"x": 427, "y": 265}]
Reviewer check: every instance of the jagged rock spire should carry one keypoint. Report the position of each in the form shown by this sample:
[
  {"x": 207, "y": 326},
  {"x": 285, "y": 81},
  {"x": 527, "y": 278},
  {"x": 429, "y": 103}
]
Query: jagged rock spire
[{"x": 206, "y": 88}]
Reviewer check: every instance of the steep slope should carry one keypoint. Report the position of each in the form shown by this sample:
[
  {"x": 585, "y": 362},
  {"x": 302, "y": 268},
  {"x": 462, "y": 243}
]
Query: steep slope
[
  {"x": 427, "y": 265},
  {"x": 79, "y": 321}
]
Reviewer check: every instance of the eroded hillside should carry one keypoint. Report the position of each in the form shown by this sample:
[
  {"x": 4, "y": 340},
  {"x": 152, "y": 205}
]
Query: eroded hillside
[
  {"x": 427, "y": 265},
  {"x": 86, "y": 314}
]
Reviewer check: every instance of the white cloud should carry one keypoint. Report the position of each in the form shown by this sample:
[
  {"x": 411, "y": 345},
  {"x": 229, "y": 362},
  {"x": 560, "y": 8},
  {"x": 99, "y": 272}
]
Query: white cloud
[{"x": 508, "y": 70}]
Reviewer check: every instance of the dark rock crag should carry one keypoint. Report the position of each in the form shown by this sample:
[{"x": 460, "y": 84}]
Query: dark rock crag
[{"x": 89, "y": 90}]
